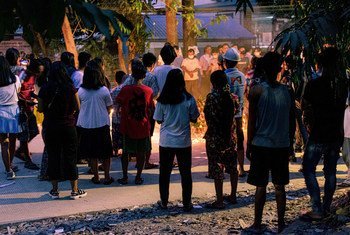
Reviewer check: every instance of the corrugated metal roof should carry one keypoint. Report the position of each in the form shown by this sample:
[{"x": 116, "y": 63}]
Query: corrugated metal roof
[{"x": 229, "y": 29}]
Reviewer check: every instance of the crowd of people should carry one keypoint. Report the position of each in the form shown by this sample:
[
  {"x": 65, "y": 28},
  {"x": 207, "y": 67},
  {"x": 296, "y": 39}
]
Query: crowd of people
[{"x": 77, "y": 105}]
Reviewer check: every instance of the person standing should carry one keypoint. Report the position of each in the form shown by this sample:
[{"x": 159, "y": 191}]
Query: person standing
[
  {"x": 191, "y": 68},
  {"x": 168, "y": 55},
  {"x": 237, "y": 81},
  {"x": 9, "y": 112},
  {"x": 323, "y": 104},
  {"x": 59, "y": 101},
  {"x": 179, "y": 57},
  {"x": 94, "y": 121},
  {"x": 137, "y": 106},
  {"x": 219, "y": 111},
  {"x": 175, "y": 109},
  {"x": 77, "y": 76},
  {"x": 271, "y": 126},
  {"x": 205, "y": 62}
]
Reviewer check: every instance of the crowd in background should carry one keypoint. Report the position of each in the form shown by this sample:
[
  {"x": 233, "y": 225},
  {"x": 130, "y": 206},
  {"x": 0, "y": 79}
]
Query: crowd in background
[{"x": 267, "y": 92}]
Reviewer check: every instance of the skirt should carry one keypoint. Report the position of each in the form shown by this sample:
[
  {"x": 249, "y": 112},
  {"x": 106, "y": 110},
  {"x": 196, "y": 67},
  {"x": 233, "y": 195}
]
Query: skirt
[
  {"x": 96, "y": 143},
  {"x": 9, "y": 115}
]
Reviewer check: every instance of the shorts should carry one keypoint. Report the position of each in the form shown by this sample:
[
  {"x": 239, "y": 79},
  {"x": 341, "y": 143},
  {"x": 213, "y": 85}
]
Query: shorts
[
  {"x": 264, "y": 160},
  {"x": 239, "y": 133},
  {"x": 221, "y": 160},
  {"x": 133, "y": 146}
]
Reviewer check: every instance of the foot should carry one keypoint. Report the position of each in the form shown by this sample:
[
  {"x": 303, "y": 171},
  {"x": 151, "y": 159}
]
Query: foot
[
  {"x": 139, "y": 181},
  {"x": 108, "y": 181},
  {"x": 311, "y": 216},
  {"x": 215, "y": 205},
  {"x": 31, "y": 166},
  {"x": 255, "y": 229},
  {"x": 162, "y": 205},
  {"x": 123, "y": 181},
  {"x": 95, "y": 180},
  {"x": 54, "y": 194},
  {"x": 79, "y": 194},
  {"x": 150, "y": 166},
  {"x": 14, "y": 168},
  {"x": 230, "y": 199},
  {"x": 10, "y": 175},
  {"x": 187, "y": 208}
]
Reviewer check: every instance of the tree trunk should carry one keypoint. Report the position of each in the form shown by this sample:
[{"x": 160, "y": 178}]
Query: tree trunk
[
  {"x": 121, "y": 59},
  {"x": 69, "y": 39},
  {"x": 171, "y": 22},
  {"x": 189, "y": 37}
]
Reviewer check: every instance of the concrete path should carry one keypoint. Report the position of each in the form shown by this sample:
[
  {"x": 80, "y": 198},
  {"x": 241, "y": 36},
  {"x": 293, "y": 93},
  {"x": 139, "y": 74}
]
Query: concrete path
[{"x": 27, "y": 199}]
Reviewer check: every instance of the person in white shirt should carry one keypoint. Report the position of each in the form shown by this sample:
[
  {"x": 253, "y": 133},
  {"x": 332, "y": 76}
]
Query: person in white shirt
[
  {"x": 168, "y": 55},
  {"x": 94, "y": 121},
  {"x": 191, "y": 68},
  {"x": 205, "y": 62},
  {"x": 77, "y": 76}
]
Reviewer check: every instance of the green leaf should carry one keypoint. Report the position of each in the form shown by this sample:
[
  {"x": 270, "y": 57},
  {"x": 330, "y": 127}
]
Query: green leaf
[{"x": 100, "y": 20}]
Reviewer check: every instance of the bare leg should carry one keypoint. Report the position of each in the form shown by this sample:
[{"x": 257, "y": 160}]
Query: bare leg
[
  {"x": 281, "y": 206},
  {"x": 219, "y": 192},
  {"x": 5, "y": 154},
  {"x": 94, "y": 167},
  {"x": 12, "y": 147},
  {"x": 125, "y": 163},
  {"x": 140, "y": 163},
  {"x": 240, "y": 158},
  {"x": 74, "y": 185},
  {"x": 106, "y": 167},
  {"x": 260, "y": 199},
  {"x": 54, "y": 185},
  {"x": 234, "y": 183}
]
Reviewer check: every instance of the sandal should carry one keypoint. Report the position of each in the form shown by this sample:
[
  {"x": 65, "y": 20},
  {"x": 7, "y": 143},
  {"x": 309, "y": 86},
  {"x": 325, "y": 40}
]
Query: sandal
[
  {"x": 108, "y": 182},
  {"x": 311, "y": 216},
  {"x": 123, "y": 181},
  {"x": 139, "y": 181},
  {"x": 215, "y": 206},
  {"x": 95, "y": 181},
  {"x": 229, "y": 199}
]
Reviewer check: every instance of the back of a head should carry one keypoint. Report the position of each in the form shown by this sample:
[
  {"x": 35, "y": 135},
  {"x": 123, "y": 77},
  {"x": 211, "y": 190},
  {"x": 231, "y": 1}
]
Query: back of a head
[
  {"x": 272, "y": 62},
  {"x": 168, "y": 54},
  {"x": 174, "y": 88},
  {"x": 59, "y": 74},
  {"x": 6, "y": 76},
  {"x": 149, "y": 59},
  {"x": 138, "y": 70},
  {"x": 67, "y": 58},
  {"x": 119, "y": 75},
  {"x": 231, "y": 58},
  {"x": 12, "y": 56},
  {"x": 219, "y": 80},
  {"x": 83, "y": 58},
  {"x": 93, "y": 77}
]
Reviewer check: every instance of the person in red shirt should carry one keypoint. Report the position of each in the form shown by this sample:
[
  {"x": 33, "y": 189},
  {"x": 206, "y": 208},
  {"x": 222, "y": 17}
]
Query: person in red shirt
[{"x": 137, "y": 109}]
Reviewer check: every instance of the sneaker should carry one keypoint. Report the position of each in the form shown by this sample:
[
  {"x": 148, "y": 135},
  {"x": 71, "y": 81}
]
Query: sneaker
[
  {"x": 79, "y": 194},
  {"x": 54, "y": 194},
  {"x": 10, "y": 175},
  {"x": 31, "y": 166}
]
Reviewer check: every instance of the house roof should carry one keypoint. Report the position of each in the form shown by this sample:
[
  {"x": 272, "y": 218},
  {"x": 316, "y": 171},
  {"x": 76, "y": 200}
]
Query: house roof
[{"x": 226, "y": 30}]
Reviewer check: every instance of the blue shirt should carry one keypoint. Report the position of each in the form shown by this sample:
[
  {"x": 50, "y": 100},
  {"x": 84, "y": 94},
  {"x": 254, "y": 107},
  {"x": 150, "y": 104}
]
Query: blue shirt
[{"x": 237, "y": 80}]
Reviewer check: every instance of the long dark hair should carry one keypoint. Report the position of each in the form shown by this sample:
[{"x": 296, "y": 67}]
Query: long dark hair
[
  {"x": 6, "y": 76},
  {"x": 93, "y": 76},
  {"x": 174, "y": 90},
  {"x": 59, "y": 75}
]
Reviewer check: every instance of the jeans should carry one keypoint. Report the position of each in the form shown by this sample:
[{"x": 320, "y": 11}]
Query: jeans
[
  {"x": 184, "y": 159},
  {"x": 312, "y": 155}
]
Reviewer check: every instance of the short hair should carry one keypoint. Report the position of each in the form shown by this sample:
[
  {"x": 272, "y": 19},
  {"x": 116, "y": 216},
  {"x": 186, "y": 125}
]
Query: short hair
[
  {"x": 67, "y": 58},
  {"x": 218, "y": 79},
  {"x": 149, "y": 59},
  {"x": 93, "y": 77},
  {"x": 206, "y": 47},
  {"x": 168, "y": 54},
  {"x": 83, "y": 58},
  {"x": 272, "y": 62},
  {"x": 12, "y": 55},
  {"x": 119, "y": 76},
  {"x": 138, "y": 70}
]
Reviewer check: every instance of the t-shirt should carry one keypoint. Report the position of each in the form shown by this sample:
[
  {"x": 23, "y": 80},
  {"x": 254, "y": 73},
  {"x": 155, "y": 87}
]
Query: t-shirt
[
  {"x": 77, "y": 78},
  {"x": 93, "y": 107},
  {"x": 161, "y": 72},
  {"x": 273, "y": 115},
  {"x": 191, "y": 65},
  {"x": 59, "y": 105},
  {"x": 8, "y": 94},
  {"x": 327, "y": 113},
  {"x": 175, "y": 131},
  {"x": 136, "y": 110},
  {"x": 204, "y": 61},
  {"x": 178, "y": 61},
  {"x": 237, "y": 80}
]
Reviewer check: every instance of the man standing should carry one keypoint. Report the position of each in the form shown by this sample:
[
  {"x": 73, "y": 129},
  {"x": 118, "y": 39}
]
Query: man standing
[
  {"x": 191, "y": 68},
  {"x": 236, "y": 80},
  {"x": 204, "y": 62},
  {"x": 270, "y": 127},
  {"x": 77, "y": 76},
  {"x": 168, "y": 55},
  {"x": 323, "y": 105}
]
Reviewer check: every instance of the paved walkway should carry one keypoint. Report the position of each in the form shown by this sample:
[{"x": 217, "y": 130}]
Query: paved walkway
[{"x": 27, "y": 199}]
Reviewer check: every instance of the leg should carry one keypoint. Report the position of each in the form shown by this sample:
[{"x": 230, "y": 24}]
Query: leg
[
  {"x": 330, "y": 170},
  {"x": 260, "y": 199},
  {"x": 69, "y": 153},
  {"x": 106, "y": 167},
  {"x": 54, "y": 185},
  {"x": 4, "y": 141},
  {"x": 12, "y": 147},
  {"x": 281, "y": 206},
  {"x": 166, "y": 159},
  {"x": 234, "y": 184},
  {"x": 74, "y": 185},
  {"x": 140, "y": 164},
  {"x": 94, "y": 167},
  {"x": 310, "y": 160},
  {"x": 184, "y": 158},
  {"x": 125, "y": 163},
  {"x": 240, "y": 146},
  {"x": 219, "y": 192}
]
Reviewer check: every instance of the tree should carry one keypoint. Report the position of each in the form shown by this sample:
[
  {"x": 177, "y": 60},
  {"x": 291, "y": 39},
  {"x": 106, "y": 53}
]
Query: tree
[{"x": 171, "y": 22}]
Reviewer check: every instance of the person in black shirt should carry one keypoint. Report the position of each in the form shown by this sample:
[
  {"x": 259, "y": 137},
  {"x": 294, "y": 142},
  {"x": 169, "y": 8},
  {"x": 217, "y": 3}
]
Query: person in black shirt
[{"x": 323, "y": 105}]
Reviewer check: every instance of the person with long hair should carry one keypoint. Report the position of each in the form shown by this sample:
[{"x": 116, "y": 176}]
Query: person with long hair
[
  {"x": 9, "y": 113},
  {"x": 58, "y": 101},
  {"x": 219, "y": 111},
  {"x": 323, "y": 104},
  {"x": 175, "y": 109},
  {"x": 94, "y": 121}
]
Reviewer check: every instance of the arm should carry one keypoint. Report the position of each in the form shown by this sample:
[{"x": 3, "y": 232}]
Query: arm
[
  {"x": 254, "y": 97},
  {"x": 77, "y": 101},
  {"x": 40, "y": 105}
]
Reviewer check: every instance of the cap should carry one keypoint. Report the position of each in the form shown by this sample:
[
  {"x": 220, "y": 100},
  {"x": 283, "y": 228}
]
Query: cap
[{"x": 232, "y": 55}]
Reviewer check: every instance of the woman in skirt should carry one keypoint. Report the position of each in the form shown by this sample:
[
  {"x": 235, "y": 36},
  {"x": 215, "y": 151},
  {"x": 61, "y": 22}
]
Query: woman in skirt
[
  {"x": 59, "y": 102},
  {"x": 9, "y": 113},
  {"x": 94, "y": 121}
]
